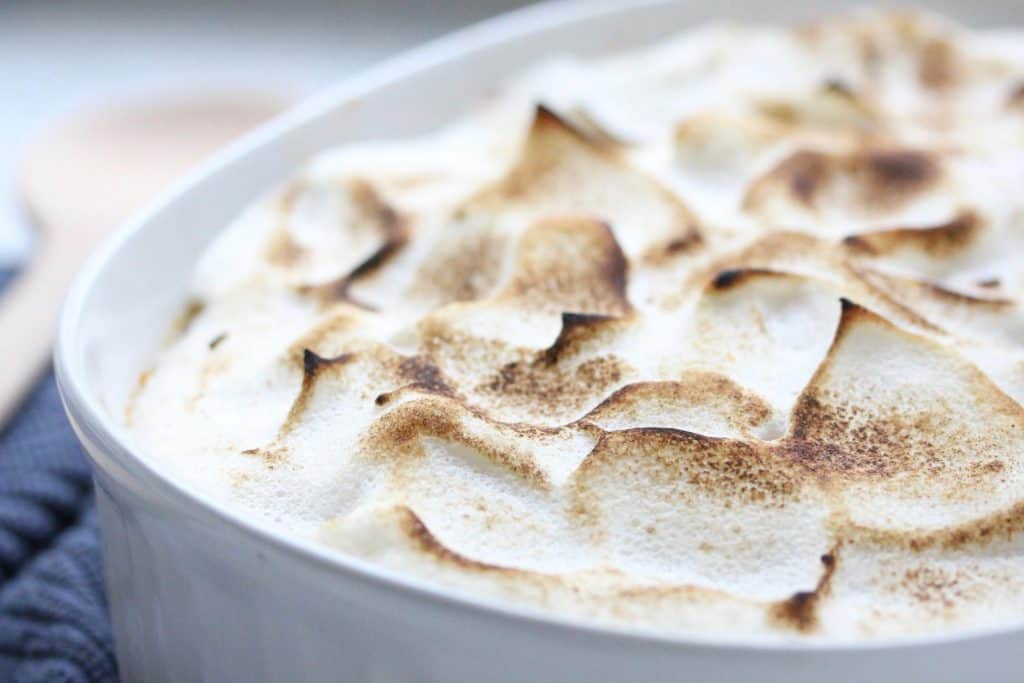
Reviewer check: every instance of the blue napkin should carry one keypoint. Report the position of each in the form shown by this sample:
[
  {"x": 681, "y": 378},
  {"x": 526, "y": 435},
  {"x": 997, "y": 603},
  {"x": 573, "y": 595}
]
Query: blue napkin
[{"x": 54, "y": 624}]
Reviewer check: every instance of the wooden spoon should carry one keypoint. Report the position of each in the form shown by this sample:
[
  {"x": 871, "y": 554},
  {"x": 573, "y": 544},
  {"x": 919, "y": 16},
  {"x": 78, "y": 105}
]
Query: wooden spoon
[{"x": 80, "y": 179}]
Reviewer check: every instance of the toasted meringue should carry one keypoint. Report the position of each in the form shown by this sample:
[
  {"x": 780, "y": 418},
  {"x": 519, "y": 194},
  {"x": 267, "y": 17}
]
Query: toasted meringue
[{"x": 724, "y": 339}]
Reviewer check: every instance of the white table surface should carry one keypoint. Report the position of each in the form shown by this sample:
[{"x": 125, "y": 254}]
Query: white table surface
[{"x": 61, "y": 55}]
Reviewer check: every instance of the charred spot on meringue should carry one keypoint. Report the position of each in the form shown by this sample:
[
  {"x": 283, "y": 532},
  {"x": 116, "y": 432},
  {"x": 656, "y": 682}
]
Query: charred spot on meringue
[
  {"x": 547, "y": 118},
  {"x": 839, "y": 87},
  {"x": 424, "y": 375},
  {"x": 880, "y": 179},
  {"x": 217, "y": 340},
  {"x": 576, "y": 328},
  {"x": 734, "y": 277},
  {"x": 394, "y": 229},
  {"x": 312, "y": 363},
  {"x": 679, "y": 245},
  {"x": 800, "y": 611},
  {"x": 420, "y": 375},
  {"x": 395, "y": 241},
  {"x": 393, "y": 233},
  {"x": 1015, "y": 98},
  {"x": 183, "y": 322},
  {"x": 802, "y": 173},
  {"x": 312, "y": 367},
  {"x": 899, "y": 171}
]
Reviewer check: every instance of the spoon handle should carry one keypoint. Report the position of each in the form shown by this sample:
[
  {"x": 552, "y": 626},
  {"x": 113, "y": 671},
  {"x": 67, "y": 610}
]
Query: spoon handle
[{"x": 29, "y": 309}]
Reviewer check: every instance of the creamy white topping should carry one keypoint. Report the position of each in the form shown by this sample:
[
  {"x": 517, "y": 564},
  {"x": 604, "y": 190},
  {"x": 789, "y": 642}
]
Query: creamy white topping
[{"x": 723, "y": 339}]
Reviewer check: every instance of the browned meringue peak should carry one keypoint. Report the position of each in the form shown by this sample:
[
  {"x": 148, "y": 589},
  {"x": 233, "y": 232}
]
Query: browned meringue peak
[
  {"x": 502, "y": 481},
  {"x": 358, "y": 377},
  {"x": 569, "y": 264},
  {"x": 836, "y": 273},
  {"x": 545, "y": 386},
  {"x": 967, "y": 253},
  {"x": 520, "y": 352},
  {"x": 397, "y": 536},
  {"x": 332, "y": 232},
  {"x": 718, "y": 155},
  {"x": 400, "y": 402},
  {"x": 974, "y": 252},
  {"x": 910, "y": 435},
  {"x": 562, "y": 264},
  {"x": 835, "y": 194},
  {"x": 766, "y": 330},
  {"x": 334, "y": 332},
  {"x": 385, "y": 417},
  {"x": 783, "y": 251},
  {"x": 832, "y": 114},
  {"x": 894, "y": 43},
  {"x": 464, "y": 261},
  {"x": 988, "y": 330},
  {"x": 699, "y": 401},
  {"x": 901, "y": 591},
  {"x": 965, "y": 574},
  {"x": 667, "y": 503},
  {"x": 985, "y": 320},
  {"x": 540, "y": 456},
  {"x": 309, "y": 471},
  {"x": 942, "y": 241},
  {"x": 813, "y": 275},
  {"x": 933, "y": 80},
  {"x": 561, "y": 171}
]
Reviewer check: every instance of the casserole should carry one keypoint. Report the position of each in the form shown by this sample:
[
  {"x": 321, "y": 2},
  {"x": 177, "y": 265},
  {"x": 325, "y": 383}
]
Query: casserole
[{"x": 199, "y": 593}]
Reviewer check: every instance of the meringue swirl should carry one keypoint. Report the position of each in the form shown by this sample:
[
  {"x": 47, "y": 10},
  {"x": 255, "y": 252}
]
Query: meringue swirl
[{"x": 723, "y": 338}]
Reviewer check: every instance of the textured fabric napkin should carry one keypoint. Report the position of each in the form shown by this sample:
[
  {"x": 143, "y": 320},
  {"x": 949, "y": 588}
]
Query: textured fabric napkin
[{"x": 54, "y": 624}]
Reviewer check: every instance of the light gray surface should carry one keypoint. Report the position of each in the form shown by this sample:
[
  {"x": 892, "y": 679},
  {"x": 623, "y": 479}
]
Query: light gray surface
[{"x": 58, "y": 56}]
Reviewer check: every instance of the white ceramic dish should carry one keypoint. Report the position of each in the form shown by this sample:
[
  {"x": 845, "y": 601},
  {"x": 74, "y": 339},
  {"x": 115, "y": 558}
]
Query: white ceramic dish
[{"x": 199, "y": 594}]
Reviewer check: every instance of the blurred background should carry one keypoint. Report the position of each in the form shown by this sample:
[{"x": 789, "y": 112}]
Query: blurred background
[{"x": 63, "y": 56}]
